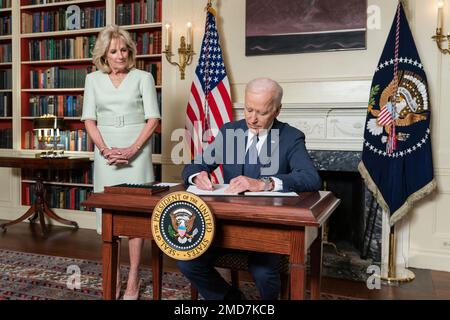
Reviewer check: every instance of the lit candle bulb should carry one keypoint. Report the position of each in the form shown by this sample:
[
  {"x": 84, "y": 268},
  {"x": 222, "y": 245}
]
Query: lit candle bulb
[
  {"x": 440, "y": 18},
  {"x": 168, "y": 31},
  {"x": 189, "y": 33}
]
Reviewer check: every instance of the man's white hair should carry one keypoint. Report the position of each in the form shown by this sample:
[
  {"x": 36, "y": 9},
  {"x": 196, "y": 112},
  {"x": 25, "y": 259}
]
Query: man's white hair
[{"x": 266, "y": 84}]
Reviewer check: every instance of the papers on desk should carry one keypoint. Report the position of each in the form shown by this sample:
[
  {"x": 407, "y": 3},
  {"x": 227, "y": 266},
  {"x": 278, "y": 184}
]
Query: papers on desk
[
  {"x": 271, "y": 194},
  {"x": 219, "y": 190}
]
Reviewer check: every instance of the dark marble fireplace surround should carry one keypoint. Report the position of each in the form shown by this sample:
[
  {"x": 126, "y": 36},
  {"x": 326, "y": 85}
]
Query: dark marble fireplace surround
[{"x": 355, "y": 226}]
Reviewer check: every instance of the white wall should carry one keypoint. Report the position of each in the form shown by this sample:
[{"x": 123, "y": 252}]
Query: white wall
[{"x": 329, "y": 79}]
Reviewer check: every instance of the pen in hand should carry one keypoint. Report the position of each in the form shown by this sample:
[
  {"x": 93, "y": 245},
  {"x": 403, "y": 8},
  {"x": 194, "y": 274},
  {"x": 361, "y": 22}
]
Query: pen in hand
[{"x": 203, "y": 181}]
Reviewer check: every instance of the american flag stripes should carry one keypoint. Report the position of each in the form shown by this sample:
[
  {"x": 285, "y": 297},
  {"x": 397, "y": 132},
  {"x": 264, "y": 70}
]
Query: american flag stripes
[
  {"x": 385, "y": 116},
  {"x": 209, "y": 105}
]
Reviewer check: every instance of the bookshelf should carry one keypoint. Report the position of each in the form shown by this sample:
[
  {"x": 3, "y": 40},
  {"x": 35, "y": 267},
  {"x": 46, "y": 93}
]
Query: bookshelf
[
  {"x": 49, "y": 65},
  {"x": 42, "y": 70},
  {"x": 142, "y": 19},
  {"x": 6, "y": 96}
]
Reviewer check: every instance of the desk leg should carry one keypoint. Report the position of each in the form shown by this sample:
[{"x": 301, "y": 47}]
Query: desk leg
[
  {"x": 297, "y": 262},
  {"x": 157, "y": 271},
  {"x": 316, "y": 265},
  {"x": 110, "y": 252}
]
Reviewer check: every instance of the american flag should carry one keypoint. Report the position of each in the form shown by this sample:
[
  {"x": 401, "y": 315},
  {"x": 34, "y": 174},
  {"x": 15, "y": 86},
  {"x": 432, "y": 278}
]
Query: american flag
[
  {"x": 209, "y": 105},
  {"x": 385, "y": 116}
]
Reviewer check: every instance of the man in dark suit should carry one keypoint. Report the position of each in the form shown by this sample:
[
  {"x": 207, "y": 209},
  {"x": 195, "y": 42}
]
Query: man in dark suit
[{"x": 258, "y": 153}]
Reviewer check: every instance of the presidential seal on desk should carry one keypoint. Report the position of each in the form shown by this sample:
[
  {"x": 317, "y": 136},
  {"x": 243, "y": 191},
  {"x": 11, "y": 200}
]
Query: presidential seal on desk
[{"x": 182, "y": 225}]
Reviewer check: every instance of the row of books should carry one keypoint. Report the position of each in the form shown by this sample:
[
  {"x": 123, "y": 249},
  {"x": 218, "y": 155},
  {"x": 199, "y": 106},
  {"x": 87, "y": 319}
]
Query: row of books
[
  {"x": 5, "y": 52},
  {"x": 138, "y": 12},
  {"x": 5, "y": 25},
  {"x": 147, "y": 42},
  {"x": 58, "y": 105},
  {"x": 5, "y": 79},
  {"x": 5, "y": 104},
  {"x": 59, "y": 196},
  {"x": 6, "y": 138},
  {"x": 62, "y": 176},
  {"x": 5, "y": 4},
  {"x": 58, "y": 49},
  {"x": 56, "y": 20},
  {"x": 57, "y": 77},
  {"x": 153, "y": 67},
  {"x": 70, "y": 140},
  {"x": 33, "y": 2}
]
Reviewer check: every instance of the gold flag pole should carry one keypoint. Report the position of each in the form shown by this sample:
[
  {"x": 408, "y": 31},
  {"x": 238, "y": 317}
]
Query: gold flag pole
[{"x": 395, "y": 273}]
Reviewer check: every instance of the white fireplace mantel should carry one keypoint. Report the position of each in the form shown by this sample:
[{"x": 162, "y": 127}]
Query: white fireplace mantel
[{"x": 326, "y": 127}]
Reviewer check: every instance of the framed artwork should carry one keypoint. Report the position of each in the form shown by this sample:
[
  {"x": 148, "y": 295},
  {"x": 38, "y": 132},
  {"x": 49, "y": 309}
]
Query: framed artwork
[{"x": 296, "y": 26}]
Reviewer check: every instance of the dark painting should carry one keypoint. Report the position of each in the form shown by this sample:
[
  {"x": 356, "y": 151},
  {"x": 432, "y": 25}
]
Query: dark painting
[{"x": 295, "y": 26}]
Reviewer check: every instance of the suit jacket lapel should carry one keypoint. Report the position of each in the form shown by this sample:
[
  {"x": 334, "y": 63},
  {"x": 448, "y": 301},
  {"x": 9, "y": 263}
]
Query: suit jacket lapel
[
  {"x": 240, "y": 160},
  {"x": 270, "y": 145},
  {"x": 274, "y": 139}
]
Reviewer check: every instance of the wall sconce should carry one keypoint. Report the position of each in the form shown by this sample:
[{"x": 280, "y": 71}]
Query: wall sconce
[
  {"x": 439, "y": 37},
  {"x": 185, "y": 51},
  {"x": 48, "y": 131}
]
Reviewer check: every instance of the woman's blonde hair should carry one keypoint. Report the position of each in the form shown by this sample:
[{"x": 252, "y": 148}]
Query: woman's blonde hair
[{"x": 102, "y": 45}]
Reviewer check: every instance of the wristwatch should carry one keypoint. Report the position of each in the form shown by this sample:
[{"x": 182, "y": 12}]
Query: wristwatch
[{"x": 268, "y": 183}]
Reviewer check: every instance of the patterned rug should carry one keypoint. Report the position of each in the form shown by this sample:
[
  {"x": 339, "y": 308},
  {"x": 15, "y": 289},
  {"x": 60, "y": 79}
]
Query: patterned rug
[{"x": 28, "y": 276}]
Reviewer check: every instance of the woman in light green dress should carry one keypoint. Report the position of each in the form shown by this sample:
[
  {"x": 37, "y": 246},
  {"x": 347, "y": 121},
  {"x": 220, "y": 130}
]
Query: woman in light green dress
[{"x": 120, "y": 111}]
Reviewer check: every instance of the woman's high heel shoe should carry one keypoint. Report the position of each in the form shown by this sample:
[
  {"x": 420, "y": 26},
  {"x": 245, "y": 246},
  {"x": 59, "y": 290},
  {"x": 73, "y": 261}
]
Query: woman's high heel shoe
[{"x": 134, "y": 296}]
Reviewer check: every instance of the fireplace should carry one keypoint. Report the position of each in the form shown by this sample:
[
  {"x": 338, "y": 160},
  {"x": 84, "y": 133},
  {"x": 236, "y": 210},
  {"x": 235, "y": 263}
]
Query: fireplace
[{"x": 355, "y": 226}]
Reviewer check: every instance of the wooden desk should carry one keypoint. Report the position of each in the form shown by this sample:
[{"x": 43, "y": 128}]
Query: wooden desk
[
  {"x": 40, "y": 207},
  {"x": 265, "y": 224}
]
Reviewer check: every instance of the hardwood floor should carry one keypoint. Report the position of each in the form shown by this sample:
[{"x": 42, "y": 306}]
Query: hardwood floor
[{"x": 86, "y": 244}]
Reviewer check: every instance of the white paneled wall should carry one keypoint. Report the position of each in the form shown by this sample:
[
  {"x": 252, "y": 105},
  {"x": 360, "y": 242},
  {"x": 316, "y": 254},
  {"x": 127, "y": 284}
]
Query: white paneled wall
[{"x": 325, "y": 94}]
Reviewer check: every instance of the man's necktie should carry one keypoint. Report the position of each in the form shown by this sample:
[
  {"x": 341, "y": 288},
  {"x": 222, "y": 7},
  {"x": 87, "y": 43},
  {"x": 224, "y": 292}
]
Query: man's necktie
[{"x": 251, "y": 167}]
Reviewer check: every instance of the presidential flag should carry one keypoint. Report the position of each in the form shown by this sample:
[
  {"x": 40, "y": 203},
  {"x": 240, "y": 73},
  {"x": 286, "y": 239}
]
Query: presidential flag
[
  {"x": 396, "y": 160},
  {"x": 209, "y": 105}
]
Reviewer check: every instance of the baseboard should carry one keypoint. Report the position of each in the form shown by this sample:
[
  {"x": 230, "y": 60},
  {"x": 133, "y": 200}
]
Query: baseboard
[
  {"x": 433, "y": 260},
  {"x": 85, "y": 219}
]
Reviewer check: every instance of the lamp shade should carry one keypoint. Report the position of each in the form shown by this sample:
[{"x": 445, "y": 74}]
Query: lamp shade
[{"x": 48, "y": 123}]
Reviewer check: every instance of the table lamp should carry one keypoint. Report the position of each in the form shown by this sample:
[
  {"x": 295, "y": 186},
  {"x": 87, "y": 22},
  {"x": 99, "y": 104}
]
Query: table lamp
[{"x": 48, "y": 129}]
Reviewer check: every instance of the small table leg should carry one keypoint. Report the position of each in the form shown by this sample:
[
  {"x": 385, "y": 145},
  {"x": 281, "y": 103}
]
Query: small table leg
[
  {"x": 316, "y": 266},
  {"x": 30, "y": 211},
  {"x": 298, "y": 267},
  {"x": 51, "y": 214},
  {"x": 33, "y": 218},
  {"x": 39, "y": 209},
  {"x": 157, "y": 271}
]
